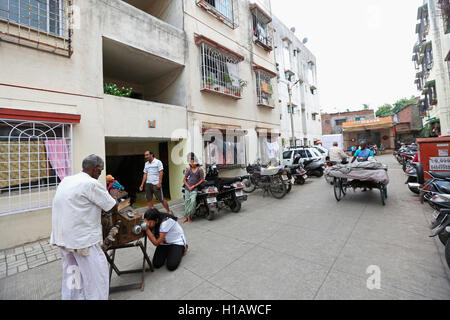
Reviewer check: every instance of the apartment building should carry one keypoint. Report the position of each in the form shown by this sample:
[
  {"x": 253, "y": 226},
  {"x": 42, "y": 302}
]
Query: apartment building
[
  {"x": 55, "y": 58},
  {"x": 232, "y": 108},
  {"x": 297, "y": 84},
  {"x": 431, "y": 56}
]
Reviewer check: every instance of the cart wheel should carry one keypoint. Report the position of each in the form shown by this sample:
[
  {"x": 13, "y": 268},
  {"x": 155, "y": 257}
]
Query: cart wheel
[
  {"x": 337, "y": 185},
  {"x": 383, "y": 193},
  {"x": 344, "y": 186}
]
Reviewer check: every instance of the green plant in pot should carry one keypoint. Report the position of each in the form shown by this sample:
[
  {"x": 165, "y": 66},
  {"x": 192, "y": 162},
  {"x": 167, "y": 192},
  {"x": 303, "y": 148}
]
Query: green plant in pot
[{"x": 209, "y": 82}]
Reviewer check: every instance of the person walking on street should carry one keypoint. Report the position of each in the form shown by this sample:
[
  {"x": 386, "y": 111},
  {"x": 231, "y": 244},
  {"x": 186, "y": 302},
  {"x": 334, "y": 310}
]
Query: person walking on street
[
  {"x": 77, "y": 231},
  {"x": 193, "y": 178},
  {"x": 336, "y": 154},
  {"x": 152, "y": 181}
]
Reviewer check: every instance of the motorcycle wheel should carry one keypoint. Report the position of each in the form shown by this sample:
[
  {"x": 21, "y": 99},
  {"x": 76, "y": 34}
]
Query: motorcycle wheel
[
  {"x": 236, "y": 206},
  {"x": 249, "y": 186},
  {"x": 319, "y": 173},
  {"x": 278, "y": 188},
  {"x": 444, "y": 236},
  {"x": 300, "y": 181},
  {"x": 447, "y": 253}
]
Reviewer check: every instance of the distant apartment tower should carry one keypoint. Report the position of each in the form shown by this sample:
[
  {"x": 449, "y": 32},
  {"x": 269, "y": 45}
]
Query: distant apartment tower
[
  {"x": 431, "y": 56},
  {"x": 297, "y": 70}
]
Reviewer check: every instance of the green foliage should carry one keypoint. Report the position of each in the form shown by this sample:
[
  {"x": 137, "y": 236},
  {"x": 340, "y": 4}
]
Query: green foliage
[
  {"x": 112, "y": 89},
  {"x": 366, "y": 106},
  {"x": 384, "y": 111}
]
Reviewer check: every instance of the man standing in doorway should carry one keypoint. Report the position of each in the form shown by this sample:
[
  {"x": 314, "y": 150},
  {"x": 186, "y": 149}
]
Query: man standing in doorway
[{"x": 152, "y": 181}]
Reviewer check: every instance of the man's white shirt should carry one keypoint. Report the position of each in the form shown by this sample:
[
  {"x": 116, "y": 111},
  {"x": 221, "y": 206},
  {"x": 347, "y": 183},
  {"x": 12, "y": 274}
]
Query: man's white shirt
[
  {"x": 336, "y": 154},
  {"x": 152, "y": 170},
  {"x": 76, "y": 212}
]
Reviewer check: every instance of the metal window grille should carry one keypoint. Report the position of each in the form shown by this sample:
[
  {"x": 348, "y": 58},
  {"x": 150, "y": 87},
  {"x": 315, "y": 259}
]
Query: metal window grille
[
  {"x": 220, "y": 72},
  {"x": 264, "y": 89},
  {"x": 30, "y": 170},
  {"x": 223, "y": 10},
  {"x": 40, "y": 24},
  {"x": 262, "y": 31}
]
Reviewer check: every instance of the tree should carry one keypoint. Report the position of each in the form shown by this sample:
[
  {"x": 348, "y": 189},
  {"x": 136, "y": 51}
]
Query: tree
[
  {"x": 402, "y": 103},
  {"x": 384, "y": 111},
  {"x": 366, "y": 106}
]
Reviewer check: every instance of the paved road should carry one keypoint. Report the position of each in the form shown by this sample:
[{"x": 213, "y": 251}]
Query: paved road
[{"x": 306, "y": 246}]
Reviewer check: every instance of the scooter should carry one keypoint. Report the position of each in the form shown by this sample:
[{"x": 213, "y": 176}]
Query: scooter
[
  {"x": 231, "y": 194},
  {"x": 298, "y": 173},
  {"x": 412, "y": 180},
  {"x": 442, "y": 222},
  {"x": 313, "y": 167},
  {"x": 265, "y": 179}
]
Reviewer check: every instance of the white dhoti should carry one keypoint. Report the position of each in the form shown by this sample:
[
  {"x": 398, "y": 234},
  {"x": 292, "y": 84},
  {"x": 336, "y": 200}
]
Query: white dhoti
[{"x": 85, "y": 277}]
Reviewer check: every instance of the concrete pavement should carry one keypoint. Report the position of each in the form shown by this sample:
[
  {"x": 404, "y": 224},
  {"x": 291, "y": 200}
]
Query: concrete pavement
[{"x": 306, "y": 246}]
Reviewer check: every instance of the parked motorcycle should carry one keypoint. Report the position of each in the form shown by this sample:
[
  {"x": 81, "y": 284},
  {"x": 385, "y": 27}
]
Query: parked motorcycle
[
  {"x": 313, "y": 167},
  {"x": 412, "y": 180},
  {"x": 265, "y": 179},
  {"x": 207, "y": 205},
  {"x": 298, "y": 173},
  {"x": 231, "y": 193}
]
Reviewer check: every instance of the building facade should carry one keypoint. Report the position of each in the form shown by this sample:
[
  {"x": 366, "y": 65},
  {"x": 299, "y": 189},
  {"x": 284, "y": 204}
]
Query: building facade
[
  {"x": 297, "y": 84},
  {"x": 232, "y": 107},
  {"x": 408, "y": 124},
  {"x": 431, "y": 55},
  {"x": 60, "y": 56},
  {"x": 118, "y": 77},
  {"x": 332, "y": 122},
  {"x": 375, "y": 131}
]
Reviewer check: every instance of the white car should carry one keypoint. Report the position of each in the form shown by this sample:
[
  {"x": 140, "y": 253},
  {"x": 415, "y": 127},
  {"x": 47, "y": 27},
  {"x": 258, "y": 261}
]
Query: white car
[
  {"x": 305, "y": 153},
  {"x": 323, "y": 152}
]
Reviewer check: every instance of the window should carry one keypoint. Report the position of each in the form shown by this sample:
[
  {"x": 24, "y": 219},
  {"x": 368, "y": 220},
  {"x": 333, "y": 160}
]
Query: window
[
  {"x": 220, "y": 72},
  {"x": 264, "y": 89},
  {"x": 42, "y": 15},
  {"x": 34, "y": 158},
  {"x": 224, "y": 149},
  {"x": 313, "y": 116},
  {"x": 287, "y": 155},
  {"x": 308, "y": 154},
  {"x": 262, "y": 32},
  {"x": 222, "y": 9},
  {"x": 287, "y": 55}
]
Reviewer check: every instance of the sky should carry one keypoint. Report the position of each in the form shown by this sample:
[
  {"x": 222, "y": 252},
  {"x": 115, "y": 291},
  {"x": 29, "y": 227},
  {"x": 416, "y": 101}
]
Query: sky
[{"x": 363, "y": 48}]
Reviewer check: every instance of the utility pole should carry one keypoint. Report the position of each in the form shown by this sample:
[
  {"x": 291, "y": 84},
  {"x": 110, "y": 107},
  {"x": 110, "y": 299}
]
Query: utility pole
[{"x": 294, "y": 140}]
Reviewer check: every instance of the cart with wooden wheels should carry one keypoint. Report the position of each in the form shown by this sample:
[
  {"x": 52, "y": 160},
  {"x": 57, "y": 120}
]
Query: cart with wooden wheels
[{"x": 341, "y": 185}]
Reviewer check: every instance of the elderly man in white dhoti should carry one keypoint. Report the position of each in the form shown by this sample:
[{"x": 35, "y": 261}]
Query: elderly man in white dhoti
[{"x": 77, "y": 231}]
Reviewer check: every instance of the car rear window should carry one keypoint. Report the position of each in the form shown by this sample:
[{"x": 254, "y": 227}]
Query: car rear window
[{"x": 320, "y": 150}]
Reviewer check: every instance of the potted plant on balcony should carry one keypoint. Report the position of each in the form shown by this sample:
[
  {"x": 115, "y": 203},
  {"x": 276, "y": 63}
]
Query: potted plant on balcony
[
  {"x": 228, "y": 83},
  {"x": 242, "y": 85},
  {"x": 208, "y": 83}
]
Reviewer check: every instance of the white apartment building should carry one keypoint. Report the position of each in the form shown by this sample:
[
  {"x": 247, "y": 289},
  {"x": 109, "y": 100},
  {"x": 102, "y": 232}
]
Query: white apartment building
[
  {"x": 180, "y": 76},
  {"x": 53, "y": 109},
  {"x": 431, "y": 56},
  {"x": 297, "y": 72},
  {"x": 233, "y": 112}
]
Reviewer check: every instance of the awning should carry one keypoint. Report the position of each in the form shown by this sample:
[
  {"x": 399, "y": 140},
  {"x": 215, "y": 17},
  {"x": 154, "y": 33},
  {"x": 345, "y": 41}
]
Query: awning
[
  {"x": 16, "y": 114},
  {"x": 209, "y": 131},
  {"x": 430, "y": 83}
]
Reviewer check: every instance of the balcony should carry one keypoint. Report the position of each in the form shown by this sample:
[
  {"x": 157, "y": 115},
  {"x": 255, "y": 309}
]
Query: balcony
[
  {"x": 148, "y": 77},
  {"x": 262, "y": 30},
  {"x": 131, "y": 23},
  {"x": 132, "y": 118}
]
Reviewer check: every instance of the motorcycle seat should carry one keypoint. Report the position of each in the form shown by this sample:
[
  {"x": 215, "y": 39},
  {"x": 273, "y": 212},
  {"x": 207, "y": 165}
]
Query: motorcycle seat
[
  {"x": 225, "y": 181},
  {"x": 440, "y": 175}
]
